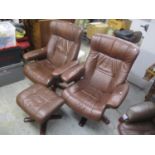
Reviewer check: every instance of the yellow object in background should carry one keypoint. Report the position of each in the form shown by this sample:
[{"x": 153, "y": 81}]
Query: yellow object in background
[
  {"x": 118, "y": 24},
  {"x": 19, "y": 35},
  {"x": 83, "y": 23},
  {"x": 96, "y": 27}
]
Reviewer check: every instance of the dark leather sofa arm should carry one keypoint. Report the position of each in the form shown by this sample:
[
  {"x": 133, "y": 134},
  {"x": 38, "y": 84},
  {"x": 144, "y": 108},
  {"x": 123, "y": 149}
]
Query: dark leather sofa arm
[
  {"x": 74, "y": 73},
  {"x": 118, "y": 95},
  {"x": 57, "y": 72},
  {"x": 140, "y": 112},
  {"x": 35, "y": 54}
]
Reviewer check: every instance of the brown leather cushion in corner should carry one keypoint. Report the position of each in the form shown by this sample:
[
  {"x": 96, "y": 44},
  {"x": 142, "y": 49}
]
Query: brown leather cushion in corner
[
  {"x": 140, "y": 128},
  {"x": 39, "y": 102}
]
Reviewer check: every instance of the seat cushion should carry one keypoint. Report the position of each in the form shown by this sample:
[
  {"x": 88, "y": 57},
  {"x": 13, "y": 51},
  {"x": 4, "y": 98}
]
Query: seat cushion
[
  {"x": 86, "y": 100},
  {"x": 39, "y": 71},
  {"x": 140, "y": 128},
  {"x": 39, "y": 102}
]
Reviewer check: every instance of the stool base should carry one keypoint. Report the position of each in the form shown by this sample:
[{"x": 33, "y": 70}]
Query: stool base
[{"x": 43, "y": 126}]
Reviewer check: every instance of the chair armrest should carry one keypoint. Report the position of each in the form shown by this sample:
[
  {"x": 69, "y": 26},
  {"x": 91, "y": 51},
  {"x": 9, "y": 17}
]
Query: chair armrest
[
  {"x": 35, "y": 54},
  {"x": 140, "y": 112},
  {"x": 118, "y": 95},
  {"x": 58, "y": 71},
  {"x": 74, "y": 73}
]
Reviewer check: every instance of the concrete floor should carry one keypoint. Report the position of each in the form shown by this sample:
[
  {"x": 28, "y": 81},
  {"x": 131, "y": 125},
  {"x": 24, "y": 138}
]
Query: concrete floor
[{"x": 11, "y": 116}]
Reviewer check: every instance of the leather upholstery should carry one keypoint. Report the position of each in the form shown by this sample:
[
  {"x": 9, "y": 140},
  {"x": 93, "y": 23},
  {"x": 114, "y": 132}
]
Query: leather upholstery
[
  {"x": 74, "y": 73},
  {"x": 35, "y": 54},
  {"x": 62, "y": 48},
  {"x": 104, "y": 77},
  {"x": 129, "y": 35},
  {"x": 65, "y": 67},
  {"x": 139, "y": 120},
  {"x": 138, "y": 128},
  {"x": 40, "y": 71},
  {"x": 39, "y": 102},
  {"x": 141, "y": 112}
]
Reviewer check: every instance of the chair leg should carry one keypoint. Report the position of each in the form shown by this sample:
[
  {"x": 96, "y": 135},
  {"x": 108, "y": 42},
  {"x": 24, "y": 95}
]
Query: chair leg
[
  {"x": 105, "y": 120},
  {"x": 56, "y": 116},
  {"x": 83, "y": 121},
  {"x": 44, "y": 125},
  {"x": 43, "y": 128},
  {"x": 54, "y": 83},
  {"x": 53, "y": 88}
]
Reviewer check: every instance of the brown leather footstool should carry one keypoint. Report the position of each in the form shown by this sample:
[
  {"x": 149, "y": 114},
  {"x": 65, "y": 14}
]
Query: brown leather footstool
[
  {"x": 40, "y": 103},
  {"x": 138, "y": 128},
  {"x": 139, "y": 119}
]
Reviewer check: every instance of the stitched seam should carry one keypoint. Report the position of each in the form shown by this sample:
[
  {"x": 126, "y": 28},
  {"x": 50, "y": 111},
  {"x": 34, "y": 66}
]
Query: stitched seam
[
  {"x": 102, "y": 71},
  {"x": 86, "y": 93}
]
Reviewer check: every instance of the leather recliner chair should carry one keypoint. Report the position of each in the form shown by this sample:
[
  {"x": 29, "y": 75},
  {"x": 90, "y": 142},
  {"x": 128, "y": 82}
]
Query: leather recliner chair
[
  {"x": 138, "y": 120},
  {"x": 59, "y": 55},
  {"x": 103, "y": 83}
]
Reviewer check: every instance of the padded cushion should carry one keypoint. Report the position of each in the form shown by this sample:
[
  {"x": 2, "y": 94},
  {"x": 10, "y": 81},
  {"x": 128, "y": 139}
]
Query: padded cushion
[
  {"x": 86, "y": 100},
  {"x": 66, "y": 30},
  {"x": 129, "y": 35},
  {"x": 123, "y": 33},
  {"x": 141, "y": 112},
  {"x": 63, "y": 50},
  {"x": 140, "y": 128},
  {"x": 39, "y": 71},
  {"x": 39, "y": 102}
]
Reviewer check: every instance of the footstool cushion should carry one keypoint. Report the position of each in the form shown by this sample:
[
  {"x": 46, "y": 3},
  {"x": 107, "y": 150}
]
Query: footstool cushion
[
  {"x": 138, "y": 128},
  {"x": 39, "y": 102}
]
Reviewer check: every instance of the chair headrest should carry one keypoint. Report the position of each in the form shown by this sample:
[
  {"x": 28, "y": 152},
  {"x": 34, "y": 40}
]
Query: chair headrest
[
  {"x": 115, "y": 47},
  {"x": 66, "y": 30}
]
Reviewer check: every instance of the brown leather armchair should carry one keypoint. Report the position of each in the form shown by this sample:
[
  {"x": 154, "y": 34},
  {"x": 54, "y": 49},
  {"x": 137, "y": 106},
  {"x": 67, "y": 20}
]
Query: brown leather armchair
[
  {"x": 138, "y": 120},
  {"x": 59, "y": 55},
  {"x": 103, "y": 83}
]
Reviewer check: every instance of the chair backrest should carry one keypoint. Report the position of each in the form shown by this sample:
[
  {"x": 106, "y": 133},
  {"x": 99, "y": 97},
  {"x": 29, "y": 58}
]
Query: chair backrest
[
  {"x": 64, "y": 43},
  {"x": 109, "y": 61}
]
